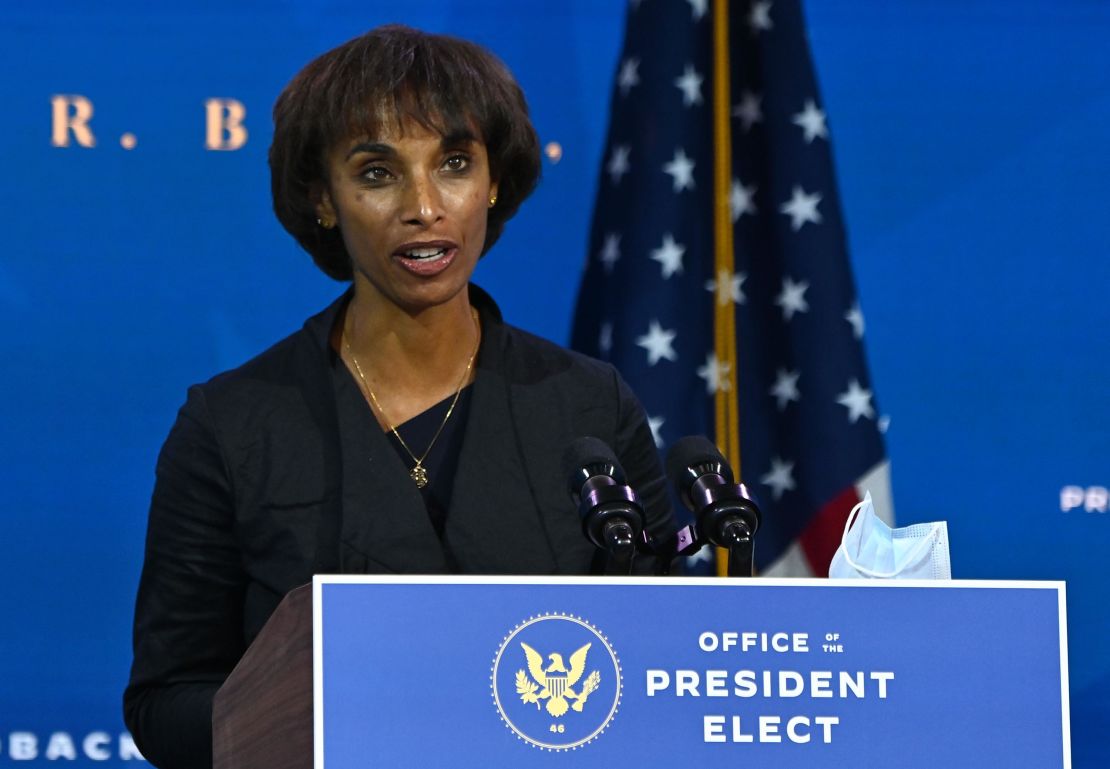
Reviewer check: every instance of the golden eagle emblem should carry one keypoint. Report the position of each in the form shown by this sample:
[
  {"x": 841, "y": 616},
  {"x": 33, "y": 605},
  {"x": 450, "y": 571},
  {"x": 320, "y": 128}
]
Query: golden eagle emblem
[{"x": 555, "y": 683}]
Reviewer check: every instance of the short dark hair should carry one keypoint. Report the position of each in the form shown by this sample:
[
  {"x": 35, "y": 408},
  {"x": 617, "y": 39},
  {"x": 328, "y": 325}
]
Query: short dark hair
[{"x": 445, "y": 84}]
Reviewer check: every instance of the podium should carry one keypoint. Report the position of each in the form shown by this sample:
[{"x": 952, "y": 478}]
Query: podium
[
  {"x": 262, "y": 715},
  {"x": 436, "y": 672}
]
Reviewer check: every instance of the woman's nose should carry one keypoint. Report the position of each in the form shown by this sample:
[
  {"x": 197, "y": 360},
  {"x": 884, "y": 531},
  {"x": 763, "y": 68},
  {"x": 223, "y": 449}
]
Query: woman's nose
[{"x": 423, "y": 203}]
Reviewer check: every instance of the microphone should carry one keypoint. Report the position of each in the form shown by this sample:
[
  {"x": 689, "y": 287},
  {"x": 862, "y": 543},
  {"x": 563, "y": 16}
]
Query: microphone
[
  {"x": 725, "y": 512},
  {"x": 612, "y": 516}
]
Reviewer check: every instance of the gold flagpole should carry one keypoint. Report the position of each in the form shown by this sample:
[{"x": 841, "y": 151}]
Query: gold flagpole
[{"x": 724, "y": 314}]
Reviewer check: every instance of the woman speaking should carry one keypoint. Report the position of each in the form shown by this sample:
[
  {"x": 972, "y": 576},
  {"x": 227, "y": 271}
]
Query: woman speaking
[{"x": 404, "y": 429}]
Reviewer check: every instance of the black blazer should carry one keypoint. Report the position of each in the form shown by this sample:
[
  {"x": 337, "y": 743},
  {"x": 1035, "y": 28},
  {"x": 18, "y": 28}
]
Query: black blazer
[{"x": 250, "y": 502}]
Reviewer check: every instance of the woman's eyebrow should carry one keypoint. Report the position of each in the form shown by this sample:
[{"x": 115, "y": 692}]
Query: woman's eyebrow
[
  {"x": 458, "y": 138},
  {"x": 370, "y": 148}
]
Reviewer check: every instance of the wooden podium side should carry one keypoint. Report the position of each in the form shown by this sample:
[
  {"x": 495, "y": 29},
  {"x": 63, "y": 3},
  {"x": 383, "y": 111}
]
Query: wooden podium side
[{"x": 262, "y": 715}]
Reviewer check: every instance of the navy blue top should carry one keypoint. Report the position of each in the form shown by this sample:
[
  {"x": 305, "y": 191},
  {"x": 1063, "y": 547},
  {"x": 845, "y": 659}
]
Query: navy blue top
[{"x": 443, "y": 458}]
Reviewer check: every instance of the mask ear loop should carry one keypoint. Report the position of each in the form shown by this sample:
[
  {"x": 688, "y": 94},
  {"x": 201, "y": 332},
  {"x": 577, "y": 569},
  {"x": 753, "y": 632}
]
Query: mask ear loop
[{"x": 918, "y": 551}]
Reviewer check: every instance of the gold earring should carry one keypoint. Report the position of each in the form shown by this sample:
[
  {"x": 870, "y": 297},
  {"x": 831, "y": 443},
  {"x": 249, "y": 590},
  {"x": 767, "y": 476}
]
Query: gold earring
[
  {"x": 492, "y": 201},
  {"x": 326, "y": 224}
]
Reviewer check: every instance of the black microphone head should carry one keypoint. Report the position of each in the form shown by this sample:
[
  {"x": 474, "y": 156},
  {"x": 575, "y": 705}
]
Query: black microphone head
[
  {"x": 596, "y": 482},
  {"x": 587, "y": 457},
  {"x": 692, "y": 457}
]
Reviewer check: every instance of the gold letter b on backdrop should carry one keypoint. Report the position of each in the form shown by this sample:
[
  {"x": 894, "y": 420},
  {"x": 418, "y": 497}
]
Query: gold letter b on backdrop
[{"x": 224, "y": 125}]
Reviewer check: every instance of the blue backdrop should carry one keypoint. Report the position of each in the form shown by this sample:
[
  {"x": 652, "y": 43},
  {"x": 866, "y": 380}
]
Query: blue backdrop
[{"x": 971, "y": 147}]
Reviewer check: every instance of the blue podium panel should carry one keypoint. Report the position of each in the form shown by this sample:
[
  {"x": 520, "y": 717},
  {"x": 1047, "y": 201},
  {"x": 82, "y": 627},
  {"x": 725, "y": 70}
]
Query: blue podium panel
[{"x": 583, "y": 672}]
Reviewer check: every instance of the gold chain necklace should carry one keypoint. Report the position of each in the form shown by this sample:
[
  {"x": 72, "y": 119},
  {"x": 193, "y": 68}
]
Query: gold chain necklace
[{"x": 419, "y": 473}]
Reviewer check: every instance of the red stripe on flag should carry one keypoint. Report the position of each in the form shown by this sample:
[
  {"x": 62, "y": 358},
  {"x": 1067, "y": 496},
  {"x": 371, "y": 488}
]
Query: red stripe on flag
[{"x": 820, "y": 539}]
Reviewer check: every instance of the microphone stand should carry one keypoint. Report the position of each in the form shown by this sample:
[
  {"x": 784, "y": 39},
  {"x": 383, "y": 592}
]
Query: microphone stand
[
  {"x": 736, "y": 537},
  {"x": 726, "y": 514},
  {"x": 682, "y": 543},
  {"x": 726, "y": 520},
  {"x": 612, "y": 520},
  {"x": 741, "y": 548},
  {"x": 620, "y": 548}
]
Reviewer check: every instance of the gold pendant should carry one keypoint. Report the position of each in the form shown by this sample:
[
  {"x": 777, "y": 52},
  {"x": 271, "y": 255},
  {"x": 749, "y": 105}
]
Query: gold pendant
[{"x": 420, "y": 476}]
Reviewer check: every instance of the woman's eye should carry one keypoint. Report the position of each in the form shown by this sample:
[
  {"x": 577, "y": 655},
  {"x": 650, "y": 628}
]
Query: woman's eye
[
  {"x": 377, "y": 173},
  {"x": 457, "y": 162}
]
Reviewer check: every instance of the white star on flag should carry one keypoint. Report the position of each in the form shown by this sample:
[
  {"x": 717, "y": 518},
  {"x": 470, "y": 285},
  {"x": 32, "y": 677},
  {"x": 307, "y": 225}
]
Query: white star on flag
[
  {"x": 785, "y": 388},
  {"x": 629, "y": 76},
  {"x": 697, "y": 8},
  {"x": 618, "y": 163},
  {"x": 657, "y": 341},
  {"x": 812, "y": 121},
  {"x": 681, "y": 169},
  {"x": 741, "y": 200},
  {"x": 654, "y": 423},
  {"x": 749, "y": 110},
  {"x": 605, "y": 337},
  {"x": 802, "y": 208},
  {"x": 705, "y": 555},
  {"x": 611, "y": 251},
  {"x": 669, "y": 255},
  {"x": 760, "y": 17},
  {"x": 855, "y": 317},
  {"x": 690, "y": 85},
  {"x": 727, "y": 287},
  {"x": 780, "y": 479},
  {"x": 792, "y": 299},
  {"x": 858, "y": 402},
  {"x": 715, "y": 374}
]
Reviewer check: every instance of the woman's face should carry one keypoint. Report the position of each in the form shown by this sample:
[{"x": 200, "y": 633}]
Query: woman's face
[{"x": 411, "y": 206}]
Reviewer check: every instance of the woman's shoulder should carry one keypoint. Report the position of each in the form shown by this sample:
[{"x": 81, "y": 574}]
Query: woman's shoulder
[
  {"x": 525, "y": 358},
  {"x": 282, "y": 370},
  {"x": 532, "y": 364},
  {"x": 524, "y": 352}
]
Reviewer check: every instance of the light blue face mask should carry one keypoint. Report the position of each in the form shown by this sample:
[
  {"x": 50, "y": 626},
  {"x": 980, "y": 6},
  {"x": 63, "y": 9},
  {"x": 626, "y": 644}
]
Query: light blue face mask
[{"x": 870, "y": 549}]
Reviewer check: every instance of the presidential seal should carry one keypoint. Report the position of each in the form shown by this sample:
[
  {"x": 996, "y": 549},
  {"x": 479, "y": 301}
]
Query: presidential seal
[{"x": 556, "y": 682}]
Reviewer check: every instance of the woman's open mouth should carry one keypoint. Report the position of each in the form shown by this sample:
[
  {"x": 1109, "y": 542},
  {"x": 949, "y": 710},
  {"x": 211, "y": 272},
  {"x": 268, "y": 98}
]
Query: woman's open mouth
[{"x": 426, "y": 259}]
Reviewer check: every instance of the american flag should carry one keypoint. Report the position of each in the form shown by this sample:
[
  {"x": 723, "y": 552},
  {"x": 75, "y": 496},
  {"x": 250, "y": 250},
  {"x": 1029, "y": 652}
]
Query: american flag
[{"x": 809, "y": 428}]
